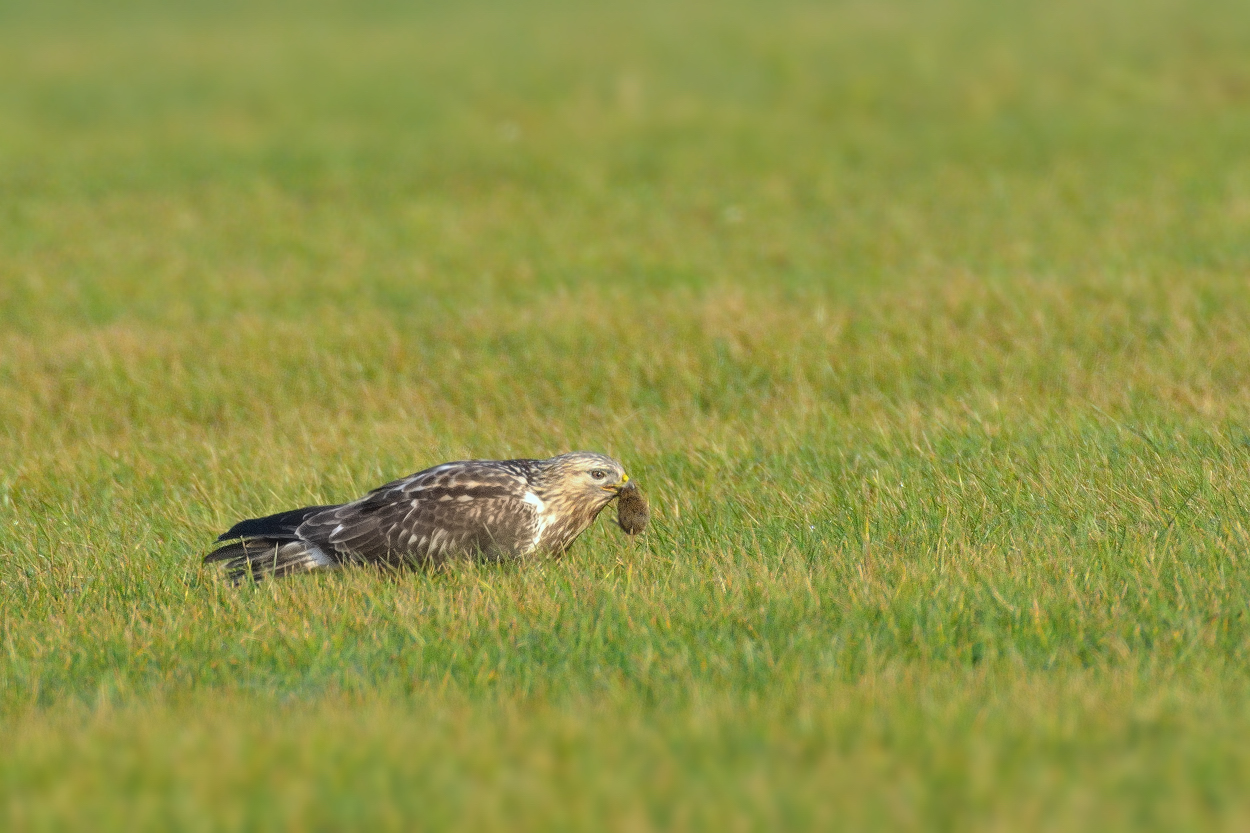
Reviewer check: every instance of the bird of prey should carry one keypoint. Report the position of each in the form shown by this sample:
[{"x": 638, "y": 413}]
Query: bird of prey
[{"x": 489, "y": 509}]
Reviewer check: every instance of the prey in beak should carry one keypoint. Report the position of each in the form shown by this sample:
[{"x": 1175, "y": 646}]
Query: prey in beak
[{"x": 632, "y": 513}]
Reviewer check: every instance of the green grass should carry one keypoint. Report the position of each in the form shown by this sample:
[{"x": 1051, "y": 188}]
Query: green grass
[{"x": 924, "y": 326}]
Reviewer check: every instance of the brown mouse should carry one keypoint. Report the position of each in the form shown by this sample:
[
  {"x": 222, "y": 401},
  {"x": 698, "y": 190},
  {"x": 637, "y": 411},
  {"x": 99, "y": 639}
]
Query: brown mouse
[{"x": 632, "y": 513}]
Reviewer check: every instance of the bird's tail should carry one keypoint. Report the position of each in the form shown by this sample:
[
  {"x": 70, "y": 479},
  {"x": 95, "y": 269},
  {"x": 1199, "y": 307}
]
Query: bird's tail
[
  {"x": 269, "y": 546},
  {"x": 261, "y": 558}
]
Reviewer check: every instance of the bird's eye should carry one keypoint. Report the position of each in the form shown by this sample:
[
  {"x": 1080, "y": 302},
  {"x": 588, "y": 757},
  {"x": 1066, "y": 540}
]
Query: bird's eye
[{"x": 598, "y": 474}]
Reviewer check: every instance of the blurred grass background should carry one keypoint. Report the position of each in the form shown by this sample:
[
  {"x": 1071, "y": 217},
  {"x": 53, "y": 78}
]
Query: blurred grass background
[{"x": 923, "y": 325}]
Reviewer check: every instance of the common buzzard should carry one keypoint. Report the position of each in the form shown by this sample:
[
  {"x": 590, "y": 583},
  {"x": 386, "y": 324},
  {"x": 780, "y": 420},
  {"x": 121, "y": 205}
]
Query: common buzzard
[{"x": 490, "y": 509}]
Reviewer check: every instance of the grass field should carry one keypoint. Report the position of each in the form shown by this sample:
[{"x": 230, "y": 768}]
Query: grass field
[{"x": 925, "y": 327}]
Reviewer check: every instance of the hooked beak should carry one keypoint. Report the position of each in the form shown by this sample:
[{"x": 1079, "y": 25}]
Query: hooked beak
[{"x": 615, "y": 489}]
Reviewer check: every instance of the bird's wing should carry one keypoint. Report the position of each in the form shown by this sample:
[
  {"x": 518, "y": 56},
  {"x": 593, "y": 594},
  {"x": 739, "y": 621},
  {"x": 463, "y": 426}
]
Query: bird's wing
[{"x": 427, "y": 517}]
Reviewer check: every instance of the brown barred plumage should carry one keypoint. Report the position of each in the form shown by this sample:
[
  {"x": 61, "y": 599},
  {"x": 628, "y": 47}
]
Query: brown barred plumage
[{"x": 490, "y": 509}]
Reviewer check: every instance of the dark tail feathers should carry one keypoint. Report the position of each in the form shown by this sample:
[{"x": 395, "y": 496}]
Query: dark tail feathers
[
  {"x": 260, "y": 558},
  {"x": 281, "y": 525},
  {"x": 262, "y": 547}
]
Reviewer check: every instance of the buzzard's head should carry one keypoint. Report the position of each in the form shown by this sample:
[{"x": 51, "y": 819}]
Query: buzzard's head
[
  {"x": 574, "y": 488},
  {"x": 585, "y": 478}
]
